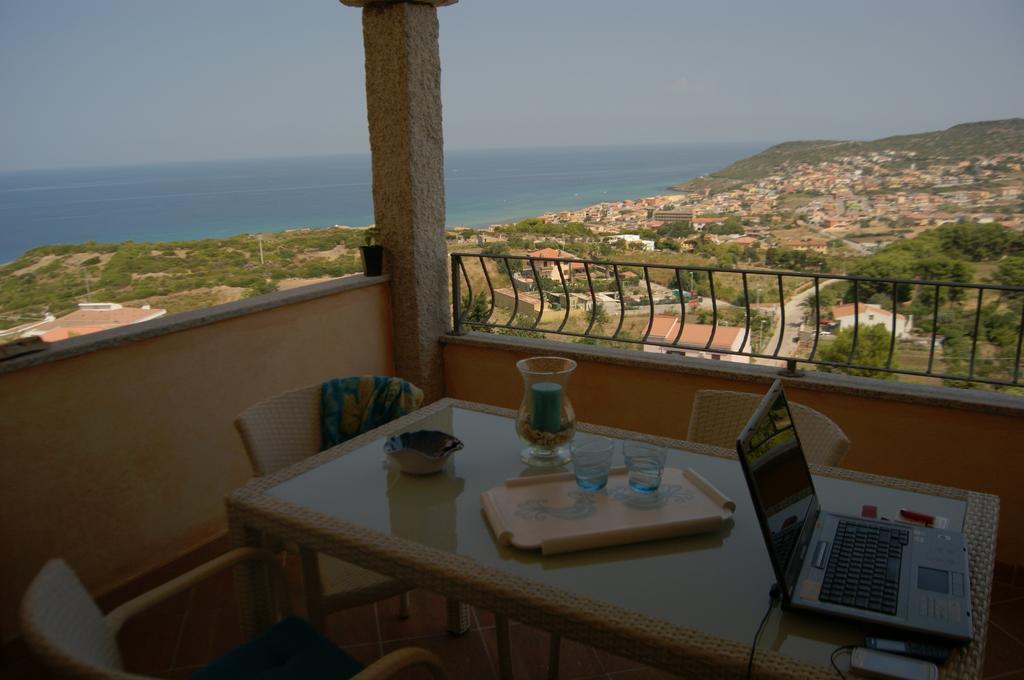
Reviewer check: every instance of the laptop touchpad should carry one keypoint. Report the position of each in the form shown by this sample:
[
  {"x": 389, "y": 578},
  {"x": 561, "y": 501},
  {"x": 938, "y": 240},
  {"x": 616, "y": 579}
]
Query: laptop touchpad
[{"x": 935, "y": 580}]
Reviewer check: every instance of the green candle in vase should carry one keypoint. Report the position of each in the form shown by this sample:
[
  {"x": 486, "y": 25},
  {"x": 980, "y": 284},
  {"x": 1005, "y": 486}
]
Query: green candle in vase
[
  {"x": 547, "y": 407},
  {"x": 546, "y": 421}
]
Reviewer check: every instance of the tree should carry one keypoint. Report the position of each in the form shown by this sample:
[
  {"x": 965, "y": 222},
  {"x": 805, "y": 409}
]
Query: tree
[
  {"x": 978, "y": 242},
  {"x": 878, "y": 267},
  {"x": 478, "y": 309},
  {"x": 496, "y": 250},
  {"x": 731, "y": 225},
  {"x": 829, "y": 296},
  {"x": 1011, "y": 273},
  {"x": 675, "y": 229},
  {"x": 872, "y": 350},
  {"x": 535, "y": 225},
  {"x": 600, "y": 317}
]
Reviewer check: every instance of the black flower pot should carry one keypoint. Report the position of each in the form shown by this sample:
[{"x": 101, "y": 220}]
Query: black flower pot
[{"x": 373, "y": 260}]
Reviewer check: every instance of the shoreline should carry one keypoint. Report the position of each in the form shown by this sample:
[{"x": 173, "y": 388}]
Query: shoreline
[
  {"x": 668, "y": 191},
  {"x": 220, "y": 199},
  {"x": 282, "y": 230}
]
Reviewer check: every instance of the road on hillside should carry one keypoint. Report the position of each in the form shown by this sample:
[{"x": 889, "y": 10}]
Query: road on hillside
[
  {"x": 858, "y": 248},
  {"x": 794, "y": 316}
]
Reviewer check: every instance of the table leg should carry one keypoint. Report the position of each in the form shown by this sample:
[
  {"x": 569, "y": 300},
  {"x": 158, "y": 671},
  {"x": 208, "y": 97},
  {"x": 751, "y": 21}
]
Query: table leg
[
  {"x": 458, "y": 616},
  {"x": 504, "y": 647},
  {"x": 313, "y": 588},
  {"x": 253, "y": 584},
  {"x": 554, "y": 651}
]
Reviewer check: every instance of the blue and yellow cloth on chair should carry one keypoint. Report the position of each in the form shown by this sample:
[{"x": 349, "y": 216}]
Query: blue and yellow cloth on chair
[{"x": 351, "y": 406}]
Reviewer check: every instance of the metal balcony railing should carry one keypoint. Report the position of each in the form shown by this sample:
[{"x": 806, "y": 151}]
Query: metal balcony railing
[{"x": 965, "y": 334}]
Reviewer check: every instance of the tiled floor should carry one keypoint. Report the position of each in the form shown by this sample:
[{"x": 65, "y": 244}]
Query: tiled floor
[{"x": 186, "y": 632}]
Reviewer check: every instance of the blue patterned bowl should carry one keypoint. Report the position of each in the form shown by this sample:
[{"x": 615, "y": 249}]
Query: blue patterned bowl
[{"x": 423, "y": 452}]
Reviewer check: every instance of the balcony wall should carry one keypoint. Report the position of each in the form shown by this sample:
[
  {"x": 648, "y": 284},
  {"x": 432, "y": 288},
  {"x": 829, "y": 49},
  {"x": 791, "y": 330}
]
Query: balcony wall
[
  {"x": 118, "y": 448},
  {"x": 963, "y": 438}
]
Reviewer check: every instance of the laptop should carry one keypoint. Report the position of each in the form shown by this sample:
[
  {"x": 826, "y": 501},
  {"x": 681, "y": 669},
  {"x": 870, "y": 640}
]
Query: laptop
[{"x": 896, "y": 575}]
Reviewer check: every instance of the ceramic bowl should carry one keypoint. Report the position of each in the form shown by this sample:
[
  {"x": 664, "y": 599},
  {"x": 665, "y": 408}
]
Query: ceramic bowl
[{"x": 423, "y": 452}]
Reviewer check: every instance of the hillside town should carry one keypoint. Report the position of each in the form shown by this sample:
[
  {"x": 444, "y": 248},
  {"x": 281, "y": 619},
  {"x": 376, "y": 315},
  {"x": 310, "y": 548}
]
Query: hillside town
[
  {"x": 839, "y": 216},
  {"x": 862, "y": 202}
]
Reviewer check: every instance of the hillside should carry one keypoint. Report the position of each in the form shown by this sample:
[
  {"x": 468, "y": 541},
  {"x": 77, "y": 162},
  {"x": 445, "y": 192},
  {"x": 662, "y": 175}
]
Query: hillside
[
  {"x": 967, "y": 140},
  {"x": 175, "y": 276}
]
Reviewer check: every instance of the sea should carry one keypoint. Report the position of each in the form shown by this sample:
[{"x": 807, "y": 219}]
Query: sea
[{"x": 186, "y": 201}]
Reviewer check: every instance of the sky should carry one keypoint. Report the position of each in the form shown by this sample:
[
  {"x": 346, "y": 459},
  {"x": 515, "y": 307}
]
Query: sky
[{"x": 116, "y": 82}]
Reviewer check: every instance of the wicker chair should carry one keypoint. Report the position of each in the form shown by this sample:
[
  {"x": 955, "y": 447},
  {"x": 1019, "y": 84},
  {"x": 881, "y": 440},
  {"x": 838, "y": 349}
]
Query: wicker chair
[
  {"x": 284, "y": 430},
  {"x": 66, "y": 632},
  {"x": 718, "y": 416}
]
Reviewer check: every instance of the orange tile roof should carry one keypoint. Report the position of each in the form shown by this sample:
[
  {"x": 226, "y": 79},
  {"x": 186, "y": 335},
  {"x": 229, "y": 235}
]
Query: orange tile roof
[
  {"x": 698, "y": 334},
  {"x": 552, "y": 252},
  {"x": 662, "y": 325},
  {"x": 665, "y": 327}
]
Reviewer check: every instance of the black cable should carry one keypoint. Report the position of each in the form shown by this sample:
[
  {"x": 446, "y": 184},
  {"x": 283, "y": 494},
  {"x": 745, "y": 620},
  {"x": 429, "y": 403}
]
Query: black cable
[
  {"x": 773, "y": 595},
  {"x": 836, "y": 652}
]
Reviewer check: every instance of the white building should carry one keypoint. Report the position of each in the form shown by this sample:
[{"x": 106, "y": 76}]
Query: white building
[
  {"x": 870, "y": 315},
  {"x": 634, "y": 238}
]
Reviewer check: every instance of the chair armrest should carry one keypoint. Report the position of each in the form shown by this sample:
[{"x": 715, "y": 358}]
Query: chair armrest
[
  {"x": 408, "y": 657},
  {"x": 118, "y": 616}
]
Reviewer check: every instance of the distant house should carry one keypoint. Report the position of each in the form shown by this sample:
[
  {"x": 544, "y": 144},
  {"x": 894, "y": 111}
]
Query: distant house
[
  {"x": 554, "y": 302},
  {"x": 506, "y": 299},
  {"x": 552, "y": 253},
  {"x": 1012, "y": 190},
  {"x": 694, "y": 339},
  {"x": 630, "y": 239},
  {"x": 700, "y": 222},
  {"x": 870, "y": 315},
  {"x": 92, "y": 317},
  {"x": 582, "y": 302},
  {"x": 549, "y": 268}
]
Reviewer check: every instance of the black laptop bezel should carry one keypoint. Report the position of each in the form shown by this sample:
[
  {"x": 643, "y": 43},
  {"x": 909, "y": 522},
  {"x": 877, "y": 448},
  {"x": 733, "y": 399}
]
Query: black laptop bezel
[{"x": 786, "y": 581}]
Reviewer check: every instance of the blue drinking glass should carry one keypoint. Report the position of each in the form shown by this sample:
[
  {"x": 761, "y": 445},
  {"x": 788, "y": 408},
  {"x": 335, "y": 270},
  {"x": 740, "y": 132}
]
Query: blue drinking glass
[
  {"x": 644, "y": 464},
  {"x": 591, "y": 461}
]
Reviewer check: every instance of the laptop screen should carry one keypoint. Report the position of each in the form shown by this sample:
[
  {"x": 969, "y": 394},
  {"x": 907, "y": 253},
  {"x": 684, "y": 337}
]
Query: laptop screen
[{"x": 780, "y": 483}]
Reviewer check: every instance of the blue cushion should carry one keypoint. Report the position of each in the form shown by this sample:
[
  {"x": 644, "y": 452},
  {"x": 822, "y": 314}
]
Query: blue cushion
[
  {"x": 354, "y": 405},
  {"x": 290, "y": 649}
]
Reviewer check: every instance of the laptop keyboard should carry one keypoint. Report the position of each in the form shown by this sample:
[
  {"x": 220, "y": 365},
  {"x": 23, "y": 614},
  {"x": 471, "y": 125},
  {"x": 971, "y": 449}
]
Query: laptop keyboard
[{"x": 863, "y": 568}]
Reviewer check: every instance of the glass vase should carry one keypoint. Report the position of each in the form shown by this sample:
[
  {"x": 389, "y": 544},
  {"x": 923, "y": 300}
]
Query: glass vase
[{"x": 546, "y": 422}]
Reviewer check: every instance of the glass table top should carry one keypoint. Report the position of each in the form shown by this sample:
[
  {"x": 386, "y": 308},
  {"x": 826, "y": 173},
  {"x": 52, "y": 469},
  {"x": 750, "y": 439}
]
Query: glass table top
[{"x": 717, "y": 582}]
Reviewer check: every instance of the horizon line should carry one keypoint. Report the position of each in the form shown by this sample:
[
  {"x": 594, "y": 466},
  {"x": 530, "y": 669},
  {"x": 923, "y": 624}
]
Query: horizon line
[{"x": 366, "y": 153}]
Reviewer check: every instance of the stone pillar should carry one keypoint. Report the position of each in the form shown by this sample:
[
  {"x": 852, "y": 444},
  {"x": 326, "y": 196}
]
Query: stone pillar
[{"x": 403, "y": 102}]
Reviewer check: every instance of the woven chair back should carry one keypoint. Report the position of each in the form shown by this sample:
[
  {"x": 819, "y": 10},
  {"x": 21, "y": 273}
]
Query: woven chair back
[
  {"x": 281, "y": 430},
  {"x": 718, "y": 416},
  {"x": 65, "y": 629}
]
